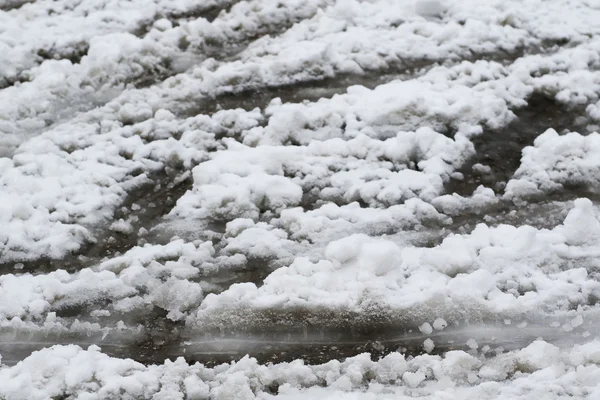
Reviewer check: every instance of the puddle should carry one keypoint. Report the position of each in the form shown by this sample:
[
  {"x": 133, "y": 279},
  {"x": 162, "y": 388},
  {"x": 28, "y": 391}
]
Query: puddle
[
  {"x": 15, "y": 345},
  {"x": 163, "y": 339},
  {"x": 501, "y": 149},
  {"x": 316, "y": 345},
  {"x": 324, "y": 347}
]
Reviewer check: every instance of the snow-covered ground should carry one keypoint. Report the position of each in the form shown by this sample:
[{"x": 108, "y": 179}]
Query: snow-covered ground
[{"x": 183, "y": 182}]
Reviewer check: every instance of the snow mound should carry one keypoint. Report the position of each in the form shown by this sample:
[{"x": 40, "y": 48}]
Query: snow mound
[
  {"x": 142, "y": 278},
  {"x": 493, "y": 271},
  {"x": 556, "y": 161},
  {"x": 71, "y": 371}
]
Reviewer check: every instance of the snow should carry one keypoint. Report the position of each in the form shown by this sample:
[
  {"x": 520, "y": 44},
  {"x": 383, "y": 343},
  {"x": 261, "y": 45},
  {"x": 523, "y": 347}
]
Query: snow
[
  {"x": 428, "y": 345},
  {"x": 556, "y": 161},
  {"x": 430, "y": 8},
  {"x": 503, "y": 270},
  {"x": 539, "y": 369},
  {"x": 426, "y": 328},
  {"x": 143, "y": 277},
  {"x": 61, "y": 183},
  {"x": 459, "y": 98},
  {"x": 164, "y": 157},
  {"x": 439, "y": 324},
  {"x": 224, "y": 189},
  {"x": 112, "y": 56}
]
